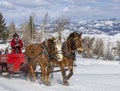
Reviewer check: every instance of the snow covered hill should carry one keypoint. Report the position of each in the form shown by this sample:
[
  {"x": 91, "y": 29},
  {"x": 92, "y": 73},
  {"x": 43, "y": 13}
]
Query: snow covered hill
[
  {"x": 101, "y": 26},
  {"x": 107, "y": 26},
  {"x": 89, "y": 75}
]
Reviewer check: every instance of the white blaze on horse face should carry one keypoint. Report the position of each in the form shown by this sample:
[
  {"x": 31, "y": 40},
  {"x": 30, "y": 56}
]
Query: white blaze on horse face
[{"x": 59, "y": 51}]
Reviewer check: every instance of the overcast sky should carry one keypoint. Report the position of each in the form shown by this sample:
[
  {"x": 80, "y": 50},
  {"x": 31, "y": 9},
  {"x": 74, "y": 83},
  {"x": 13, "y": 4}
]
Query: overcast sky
[{"x": 19, "y": 11}]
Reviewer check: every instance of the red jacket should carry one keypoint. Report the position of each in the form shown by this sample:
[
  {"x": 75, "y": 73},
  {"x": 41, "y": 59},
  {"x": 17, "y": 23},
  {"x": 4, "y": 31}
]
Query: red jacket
[{"x": 16, "y": 49}]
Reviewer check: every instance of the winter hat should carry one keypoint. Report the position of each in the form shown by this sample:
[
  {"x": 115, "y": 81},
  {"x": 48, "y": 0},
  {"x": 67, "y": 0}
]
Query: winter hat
[{"x": 15, "y": 35}]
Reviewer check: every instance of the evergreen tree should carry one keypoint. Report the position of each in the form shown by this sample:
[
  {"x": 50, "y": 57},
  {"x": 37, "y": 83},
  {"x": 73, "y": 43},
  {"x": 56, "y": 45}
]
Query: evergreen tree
[
  {"x": 3, "y": 29},
  {"x": 31, "y": 26}
]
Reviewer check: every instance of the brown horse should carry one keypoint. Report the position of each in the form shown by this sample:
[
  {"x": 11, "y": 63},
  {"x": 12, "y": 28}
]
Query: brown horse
[
  {"x": 73, "y": 43},
  {"x": 41, "y": 54}
]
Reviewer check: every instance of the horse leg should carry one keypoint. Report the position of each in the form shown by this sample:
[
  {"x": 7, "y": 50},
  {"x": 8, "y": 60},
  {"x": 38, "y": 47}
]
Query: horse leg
[
  {"x": 43, "y": 73},
  {"x": 51, "y": 69},
  {"x": 47, "y": 73},
  {"x": 70, "y": 72},
  {"x": 64, "y": 75},
  {"x": 69, "y": 75},
  {"x": 28, "y": 76},
  {"x": 47, "y": 80},
  {"x": 33, "y": 73},
  {"x": 42, "y": 77}
]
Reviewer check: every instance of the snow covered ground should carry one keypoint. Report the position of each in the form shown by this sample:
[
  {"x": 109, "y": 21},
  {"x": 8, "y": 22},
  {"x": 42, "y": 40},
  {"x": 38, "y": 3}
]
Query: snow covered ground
[{"x": 89, "y": 75}]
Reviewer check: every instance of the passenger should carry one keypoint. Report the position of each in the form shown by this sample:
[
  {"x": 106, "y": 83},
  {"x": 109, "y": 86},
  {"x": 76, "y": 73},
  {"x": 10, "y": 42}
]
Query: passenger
[
  {"x": 6, "y": 50},
  {"x": 2, "y": 51},
  {"x": 16, "y": 44}
]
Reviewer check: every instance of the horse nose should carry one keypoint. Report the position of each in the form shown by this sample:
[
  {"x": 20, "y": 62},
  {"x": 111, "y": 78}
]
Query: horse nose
[{"x": 80, "y": 49}]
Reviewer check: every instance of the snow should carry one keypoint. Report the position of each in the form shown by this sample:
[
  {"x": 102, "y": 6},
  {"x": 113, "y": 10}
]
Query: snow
[
  {"x": 89, "y": 75},
  {"x": 4, "y": 46},
  {"x": 110, "y": 23}
]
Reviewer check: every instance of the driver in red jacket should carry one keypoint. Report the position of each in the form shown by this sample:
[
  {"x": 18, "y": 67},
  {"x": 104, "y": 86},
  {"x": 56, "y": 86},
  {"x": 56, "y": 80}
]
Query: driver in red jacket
[{"x": 16, "y": 44}]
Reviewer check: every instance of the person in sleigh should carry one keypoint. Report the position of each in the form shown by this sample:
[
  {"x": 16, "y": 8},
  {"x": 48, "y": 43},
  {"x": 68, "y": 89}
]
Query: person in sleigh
[{"x": 16, "y": 44}]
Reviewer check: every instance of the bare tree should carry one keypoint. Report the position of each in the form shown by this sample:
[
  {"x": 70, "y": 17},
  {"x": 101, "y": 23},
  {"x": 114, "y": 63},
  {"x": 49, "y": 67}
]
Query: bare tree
[
  {"x": 98, "y": 48},
  {"x": 61, "y": 23},
  {"x": 88, "y": 46},
  {"x": 29, "y": 32},
  {"x": 41, "y": 34},
  {"x": 25, "y": 33},
  {"x": 118, "y": 49},
  {"x": 12, "y": 29},
  {"x": 108, "y": 52}
]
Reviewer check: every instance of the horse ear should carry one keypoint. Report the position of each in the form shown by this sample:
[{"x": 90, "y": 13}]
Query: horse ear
[
  {"x": 75, "y": 34},
  {"x": 80, "y": 34},
  {"x": 54, "y": 39}
]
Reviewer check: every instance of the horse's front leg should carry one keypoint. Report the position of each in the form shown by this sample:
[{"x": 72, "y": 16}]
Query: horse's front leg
[
  {"x": 67, "y": 77},
  {"x": 50, "y": 71},
  {"x": 65, "y": 80},
  {"x": 28, "y": 76},
  {"x": 70, "y": 72},
  {"x": 47, "y": 75},
  {"x": 42, "y": 77},
  {"x": 33, "y": 73}
]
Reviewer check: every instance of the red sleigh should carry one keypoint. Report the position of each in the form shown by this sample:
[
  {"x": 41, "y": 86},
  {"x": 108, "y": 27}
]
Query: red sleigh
[{"x": 12, "y": 62}]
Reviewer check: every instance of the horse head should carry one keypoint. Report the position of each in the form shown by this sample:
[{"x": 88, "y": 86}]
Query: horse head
[{"x": 75, "y": 41}]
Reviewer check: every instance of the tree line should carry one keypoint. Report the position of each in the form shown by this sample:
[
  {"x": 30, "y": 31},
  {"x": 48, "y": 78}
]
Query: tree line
[{"x": 28, "y": 29}]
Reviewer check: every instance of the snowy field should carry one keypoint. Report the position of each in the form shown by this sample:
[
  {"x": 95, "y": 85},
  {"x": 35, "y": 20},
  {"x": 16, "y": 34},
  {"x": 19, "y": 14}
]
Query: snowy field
[{"x": 89, "y": 75}]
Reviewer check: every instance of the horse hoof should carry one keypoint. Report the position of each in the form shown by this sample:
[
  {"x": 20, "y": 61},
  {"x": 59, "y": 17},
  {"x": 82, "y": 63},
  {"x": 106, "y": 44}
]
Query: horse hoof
[
  {"x": 66, "y": 83},
  {"x": 35, "y": 81},
  {"x": 47, "y": 83},
  {"x": 28, "y": 80}
]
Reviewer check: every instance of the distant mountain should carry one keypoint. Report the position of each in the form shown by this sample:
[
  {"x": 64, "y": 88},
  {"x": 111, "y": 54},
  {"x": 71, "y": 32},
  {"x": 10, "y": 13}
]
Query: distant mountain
[
  {"x": 101, "y": 26},
  {"x": 107, "y": 26}
]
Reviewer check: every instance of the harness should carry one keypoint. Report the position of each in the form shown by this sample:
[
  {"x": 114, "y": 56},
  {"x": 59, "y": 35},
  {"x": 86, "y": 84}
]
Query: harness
[
  {"x": 66, "y": 53},
  {"x": 44, "y": 52},
  {"x": 41, "y": 53}
]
